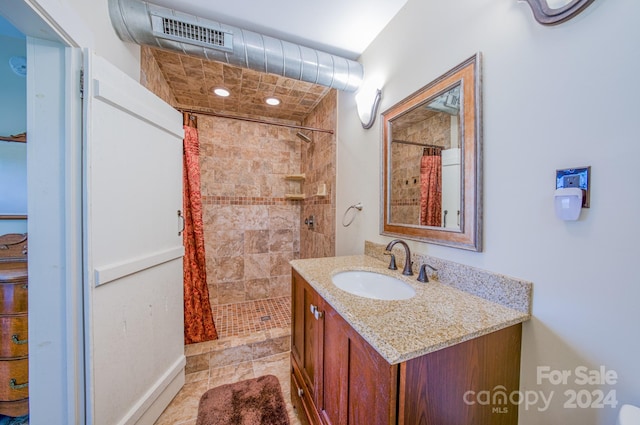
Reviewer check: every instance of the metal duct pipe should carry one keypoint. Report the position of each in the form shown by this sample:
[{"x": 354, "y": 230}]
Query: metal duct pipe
[{"x": 145, "y": 23}]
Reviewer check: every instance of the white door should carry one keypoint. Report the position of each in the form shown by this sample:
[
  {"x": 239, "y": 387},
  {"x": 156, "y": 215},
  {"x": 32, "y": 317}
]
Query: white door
[{"x": 133, "y": 192}]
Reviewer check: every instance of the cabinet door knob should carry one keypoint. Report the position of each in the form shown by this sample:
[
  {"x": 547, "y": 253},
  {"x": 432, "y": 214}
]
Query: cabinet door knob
[
  {"x": 313, "y": 309},
  {"x": 300, "y": 392},
  {"x": 318, "y": 314}
]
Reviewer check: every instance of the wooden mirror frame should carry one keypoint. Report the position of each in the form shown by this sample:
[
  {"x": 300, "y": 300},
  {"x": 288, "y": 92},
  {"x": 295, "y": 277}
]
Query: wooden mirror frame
[
  {"x": 467, "y": 74},
  {"x": 548, "y": 16}
]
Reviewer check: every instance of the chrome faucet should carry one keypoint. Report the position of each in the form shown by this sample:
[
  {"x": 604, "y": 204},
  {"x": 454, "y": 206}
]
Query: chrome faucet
[{"x": 407, "y": 256}]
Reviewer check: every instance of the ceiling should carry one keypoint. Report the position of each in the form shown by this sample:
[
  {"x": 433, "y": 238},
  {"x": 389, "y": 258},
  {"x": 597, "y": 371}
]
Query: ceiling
[
  {"x": 192, "y": 80},
  {"x": 343, "y": 28}
]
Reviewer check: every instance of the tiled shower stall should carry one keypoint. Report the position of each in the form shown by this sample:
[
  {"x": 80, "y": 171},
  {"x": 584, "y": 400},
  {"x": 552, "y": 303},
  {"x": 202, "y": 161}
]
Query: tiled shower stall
[{"x": 252, "y": 229}]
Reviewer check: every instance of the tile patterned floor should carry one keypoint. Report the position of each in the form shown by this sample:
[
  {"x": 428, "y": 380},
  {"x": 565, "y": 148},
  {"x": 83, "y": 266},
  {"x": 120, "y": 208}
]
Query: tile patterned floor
[
  {"x": 243, "y": 319},
  {"x": 232, "y": 358}
]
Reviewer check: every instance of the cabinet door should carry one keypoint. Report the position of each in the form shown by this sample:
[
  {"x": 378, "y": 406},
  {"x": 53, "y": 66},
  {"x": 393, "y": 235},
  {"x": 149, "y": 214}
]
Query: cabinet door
[
  {"x": 436, "y": 388},
  {"x": 306, "y": 338},
  {"x": 359, "y": 386}
]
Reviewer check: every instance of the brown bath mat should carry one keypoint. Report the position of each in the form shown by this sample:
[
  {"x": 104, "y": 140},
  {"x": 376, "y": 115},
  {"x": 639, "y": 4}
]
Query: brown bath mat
[{"x": 255, "y": 401}]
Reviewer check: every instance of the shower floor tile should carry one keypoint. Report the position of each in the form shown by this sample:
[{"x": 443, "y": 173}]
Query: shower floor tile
[{"x": 246, "y": 318}]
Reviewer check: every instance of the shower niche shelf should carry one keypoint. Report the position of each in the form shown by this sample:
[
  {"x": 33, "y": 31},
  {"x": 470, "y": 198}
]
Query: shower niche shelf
[
  {"x": 295, "y": 177},
  {"x": 299, "y": 178}
]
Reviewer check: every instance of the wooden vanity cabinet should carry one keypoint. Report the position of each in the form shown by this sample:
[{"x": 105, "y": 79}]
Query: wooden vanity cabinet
[
  {"x": 337, "y": 378},
  {"x": 358, "y": 385},
  {"x": 306, "y": 339}
]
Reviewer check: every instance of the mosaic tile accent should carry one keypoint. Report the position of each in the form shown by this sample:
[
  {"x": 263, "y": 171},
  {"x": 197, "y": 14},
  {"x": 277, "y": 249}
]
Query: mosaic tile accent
[{"x": 242, "y": 319}]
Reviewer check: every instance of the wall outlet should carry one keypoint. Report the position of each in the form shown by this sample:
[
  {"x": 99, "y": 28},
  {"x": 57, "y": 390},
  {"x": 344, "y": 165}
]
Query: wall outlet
[
  {"x": 576, "y": 177},
  {"x": 572, "y": 180}
]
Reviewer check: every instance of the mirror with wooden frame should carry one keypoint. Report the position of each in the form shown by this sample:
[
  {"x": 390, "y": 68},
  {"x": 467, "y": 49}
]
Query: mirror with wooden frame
[{"x": 432, "y": 162}]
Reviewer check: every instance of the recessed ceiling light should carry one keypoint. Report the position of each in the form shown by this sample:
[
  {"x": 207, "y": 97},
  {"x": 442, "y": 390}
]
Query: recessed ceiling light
[
  {"x": 222, "y": 92},
  {"x": 273, "y": 101}
]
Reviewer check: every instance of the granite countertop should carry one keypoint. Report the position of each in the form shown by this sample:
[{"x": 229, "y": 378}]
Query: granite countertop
[{"x": 437, "y": 317}]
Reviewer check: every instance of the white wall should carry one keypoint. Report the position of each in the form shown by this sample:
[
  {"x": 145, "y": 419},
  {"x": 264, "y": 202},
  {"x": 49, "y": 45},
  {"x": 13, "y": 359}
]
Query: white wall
[
  {"x": 554, "y": 97},
  {"x": 95, "y": 15}
]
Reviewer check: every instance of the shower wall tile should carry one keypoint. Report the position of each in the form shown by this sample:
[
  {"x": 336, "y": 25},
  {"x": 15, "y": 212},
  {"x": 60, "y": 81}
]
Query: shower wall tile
[
  {"x": 152, "y": 78},
  {"x": 280, "y": 286},
  {"x": 319, "y": 167},
  {"x": 281, "y": 240},
  {"x": 258, "y": 289},
  {"x": 224, "y": 243},
  {"x": 230, "y": 292},
  {"x": 257, "y": 241},
  {"x": 255, "y": 265},
  {"x": 228, "y": 269},
  {"x": 249, "y": 226},
  {"x": 280, "y": 263}
]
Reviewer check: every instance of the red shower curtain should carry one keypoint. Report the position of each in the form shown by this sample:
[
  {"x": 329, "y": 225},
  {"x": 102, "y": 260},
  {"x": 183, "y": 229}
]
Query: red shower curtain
[
  {"x": 431, "y": 188},
  {"x": 198, "y": 318}
]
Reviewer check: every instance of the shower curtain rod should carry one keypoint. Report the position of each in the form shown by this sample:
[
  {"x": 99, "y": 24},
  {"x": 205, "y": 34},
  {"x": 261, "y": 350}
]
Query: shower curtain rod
[
  {"x": 405, "y": 142},
  {"x": 259, "y": 121}
]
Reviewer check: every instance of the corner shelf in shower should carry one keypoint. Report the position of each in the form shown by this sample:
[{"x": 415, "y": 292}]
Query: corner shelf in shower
[
  {"x": 294, "y": 196},
  {"x": 296, "y": 178}
]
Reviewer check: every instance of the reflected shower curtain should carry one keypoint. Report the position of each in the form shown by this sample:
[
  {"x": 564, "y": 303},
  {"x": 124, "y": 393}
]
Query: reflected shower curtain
[
  {"x": 431, "y": 188},
  {"x": 198, "y": 318}
]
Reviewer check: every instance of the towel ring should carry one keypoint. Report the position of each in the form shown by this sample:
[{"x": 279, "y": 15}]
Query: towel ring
[{"x": 358, "y": 207}]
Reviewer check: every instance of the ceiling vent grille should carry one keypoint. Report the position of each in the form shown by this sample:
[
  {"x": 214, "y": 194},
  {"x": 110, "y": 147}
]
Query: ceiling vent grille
[{"x": 186, "y": 32}]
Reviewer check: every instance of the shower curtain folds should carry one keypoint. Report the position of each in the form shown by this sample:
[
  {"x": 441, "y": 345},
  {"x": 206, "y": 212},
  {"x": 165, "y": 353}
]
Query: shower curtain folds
[
  {"x": 198, "y": 318},
  {"x": 431, "y": 188}
]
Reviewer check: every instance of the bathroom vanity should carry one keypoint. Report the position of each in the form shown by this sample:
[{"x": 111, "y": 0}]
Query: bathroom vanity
[{"x": 431, "y": 359}]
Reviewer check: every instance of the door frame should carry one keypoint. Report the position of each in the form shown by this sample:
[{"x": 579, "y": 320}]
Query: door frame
[{"x": 54, "y": 196}]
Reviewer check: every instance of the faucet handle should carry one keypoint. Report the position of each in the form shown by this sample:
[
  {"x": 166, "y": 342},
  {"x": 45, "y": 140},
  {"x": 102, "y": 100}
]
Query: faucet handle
[
  {"x": 422, "y": 276},
  {"x": 392, "y": 263}
]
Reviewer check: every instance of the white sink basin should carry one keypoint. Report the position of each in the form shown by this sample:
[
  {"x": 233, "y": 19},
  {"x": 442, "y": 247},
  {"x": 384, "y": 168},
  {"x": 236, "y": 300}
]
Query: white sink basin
[{"x": 373, "y": 285}]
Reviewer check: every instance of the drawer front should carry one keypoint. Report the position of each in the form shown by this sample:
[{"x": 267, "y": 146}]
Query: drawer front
[
  {"x": 13, "y": 298},
  {"x": 14, "y": 336},
  {"x": 14, "y": 379}
]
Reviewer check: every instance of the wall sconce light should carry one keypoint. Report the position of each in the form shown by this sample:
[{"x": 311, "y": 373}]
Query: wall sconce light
[
  {"x": 553, "y": 12},
  {"x": 367, "y": 102}
]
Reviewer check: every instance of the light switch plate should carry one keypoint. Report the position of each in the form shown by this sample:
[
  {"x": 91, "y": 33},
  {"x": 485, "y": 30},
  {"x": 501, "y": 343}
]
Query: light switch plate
[{"x": 576, "y": 177}]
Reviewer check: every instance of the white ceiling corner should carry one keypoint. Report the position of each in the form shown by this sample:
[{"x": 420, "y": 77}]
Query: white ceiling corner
[{"x": 340, "y": 27}]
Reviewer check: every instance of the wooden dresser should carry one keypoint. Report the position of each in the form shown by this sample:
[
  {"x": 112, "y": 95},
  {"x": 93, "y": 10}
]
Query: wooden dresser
[{"x": 14, "y": 347}]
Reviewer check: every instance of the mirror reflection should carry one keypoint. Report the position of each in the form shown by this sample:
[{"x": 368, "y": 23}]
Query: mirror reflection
[
  {"x": 431, "y": 167},
  {"x": 425, "y": 163}
]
